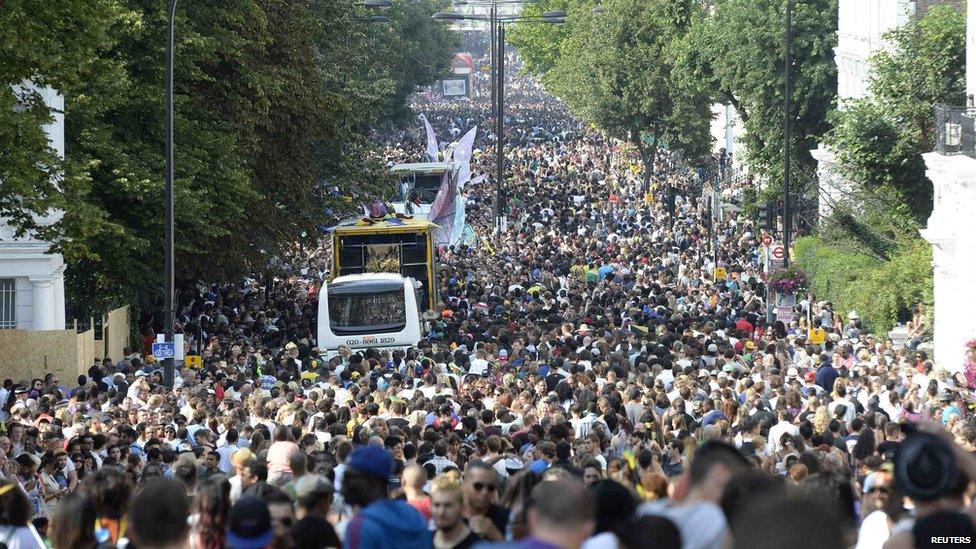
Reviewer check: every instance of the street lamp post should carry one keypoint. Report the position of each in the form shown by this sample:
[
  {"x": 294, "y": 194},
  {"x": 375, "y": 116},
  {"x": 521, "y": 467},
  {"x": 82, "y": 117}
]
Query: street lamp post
[
  {"x": 500, "y": 131},
  {"x": 787, "y": 110},
  {"x": 496, "y": 23},
  {"x": 168, "y": 268}
]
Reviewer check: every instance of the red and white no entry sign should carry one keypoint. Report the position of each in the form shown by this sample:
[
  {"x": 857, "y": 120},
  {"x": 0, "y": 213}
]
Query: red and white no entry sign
[{"x": 778, "y": 252}]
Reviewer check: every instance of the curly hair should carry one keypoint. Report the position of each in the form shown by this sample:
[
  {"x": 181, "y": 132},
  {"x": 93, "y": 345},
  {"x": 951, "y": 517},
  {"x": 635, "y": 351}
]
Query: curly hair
[
  {"x": 110, "y": 490},
  {"x": 212, "y": 506}
]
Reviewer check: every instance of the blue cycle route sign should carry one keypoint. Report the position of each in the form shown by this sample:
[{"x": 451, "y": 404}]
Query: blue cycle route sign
[{"x": 164, "y": 350}]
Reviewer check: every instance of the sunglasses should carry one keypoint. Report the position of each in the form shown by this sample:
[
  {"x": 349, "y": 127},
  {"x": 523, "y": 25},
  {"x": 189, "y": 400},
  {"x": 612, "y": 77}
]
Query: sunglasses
[
  {"x": 480, "y": 487},
  {"x": 879, "y": 489}
]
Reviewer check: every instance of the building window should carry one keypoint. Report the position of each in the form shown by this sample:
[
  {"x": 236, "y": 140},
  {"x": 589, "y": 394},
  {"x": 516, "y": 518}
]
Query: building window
[{"x": 8, "y": 304}]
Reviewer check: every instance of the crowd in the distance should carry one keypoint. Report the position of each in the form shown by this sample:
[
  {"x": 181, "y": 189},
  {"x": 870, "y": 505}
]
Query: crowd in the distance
[{"x": 588, "y": 383}]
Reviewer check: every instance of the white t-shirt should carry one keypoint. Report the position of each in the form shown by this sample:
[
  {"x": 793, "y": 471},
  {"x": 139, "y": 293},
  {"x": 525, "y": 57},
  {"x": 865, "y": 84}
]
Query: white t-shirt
[
  {"x": 226, "y": 452},
  {"x": 702, "y": 525},
  {"x": 478, "y": 367},
  {"x": 874, "y": 531},
  {"x": 21, "y": 537}
]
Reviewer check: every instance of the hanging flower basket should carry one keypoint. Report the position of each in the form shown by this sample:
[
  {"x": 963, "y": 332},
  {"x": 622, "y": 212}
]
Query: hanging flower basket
[{"x": 788, "y": 281}]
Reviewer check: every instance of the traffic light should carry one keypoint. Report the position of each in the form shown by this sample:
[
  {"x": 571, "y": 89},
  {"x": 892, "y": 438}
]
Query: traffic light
[{"x": 767, "y": 216}]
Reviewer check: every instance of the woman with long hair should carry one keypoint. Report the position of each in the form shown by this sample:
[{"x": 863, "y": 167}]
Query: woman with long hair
[
  {"x": 71, "y": 525},
  {"x": 110, "y": 490},
  {"x": 209, "y": 513},
  {"x": 517, "y": 494},
  {"x": 16, "y": 530}
]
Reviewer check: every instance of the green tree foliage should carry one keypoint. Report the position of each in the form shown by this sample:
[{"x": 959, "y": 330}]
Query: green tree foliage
[
  {"x": 539, "y": 44},
  {"x": 882, "y": 292},
  {"x": 737, "y": 54},
  {"x": 613, "y": 70},
  {"x": 42, "y": 44},
  {"x": 273, "y": 103},
  {"x": 869, "y": 256},
  {"x": 879, "y": 140}
]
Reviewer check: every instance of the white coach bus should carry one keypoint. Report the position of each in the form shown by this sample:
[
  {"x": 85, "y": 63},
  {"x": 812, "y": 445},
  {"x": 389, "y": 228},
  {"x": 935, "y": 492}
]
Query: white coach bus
[{"x": 371, "y": 310}]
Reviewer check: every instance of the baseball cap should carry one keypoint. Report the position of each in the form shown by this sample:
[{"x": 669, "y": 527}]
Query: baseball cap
[
  {"x": 712, "y": 348},
  {"x": 513, "y": 465},
  {"x": 750, "y": 344},
  {"x": 373, "y": 460},
  {"x": 249, "y": 524},
  {"x": 791, "y": 372}
]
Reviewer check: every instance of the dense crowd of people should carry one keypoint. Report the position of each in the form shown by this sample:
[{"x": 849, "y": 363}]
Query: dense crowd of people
[{"x": 588, "y": 382}]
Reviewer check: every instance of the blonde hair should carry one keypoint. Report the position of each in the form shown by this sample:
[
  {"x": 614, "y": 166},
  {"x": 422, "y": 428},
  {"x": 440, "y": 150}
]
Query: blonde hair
[
  {"x": 821, "y": 420},
  {"x": 447, "y": 483}
]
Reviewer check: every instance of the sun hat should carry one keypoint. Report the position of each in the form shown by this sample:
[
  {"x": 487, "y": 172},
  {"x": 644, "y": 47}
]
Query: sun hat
[
  {"x": 240, "y": 457},
  {"x": 925, "y": 467}
]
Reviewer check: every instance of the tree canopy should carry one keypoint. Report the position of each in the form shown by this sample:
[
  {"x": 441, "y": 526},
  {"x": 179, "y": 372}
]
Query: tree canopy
[
  {"x": 879, "y": 140},
  {"x": 614, "y": 70},
  {"x": 737, "y": 53},
  {"x": 273, "y": 103}
]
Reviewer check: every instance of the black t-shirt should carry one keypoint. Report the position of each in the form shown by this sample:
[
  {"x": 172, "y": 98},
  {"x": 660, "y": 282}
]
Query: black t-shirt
[
  {"x": 399, "y": 423},
  {"x": 468, "y": 541},
  {"x": 314, "y": 532},
  {"x": 552, "y": 380},
  {"x": 499, "y": 516},
  {"x": 888, "y": 448}
]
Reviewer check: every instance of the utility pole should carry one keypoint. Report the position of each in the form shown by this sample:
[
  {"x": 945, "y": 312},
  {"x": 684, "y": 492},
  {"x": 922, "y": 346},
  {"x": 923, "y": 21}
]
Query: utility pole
[
  {"x": 787, "y": 115},
  {"x": 500, "y": 121},
  {"x": 168, "y": 268}
]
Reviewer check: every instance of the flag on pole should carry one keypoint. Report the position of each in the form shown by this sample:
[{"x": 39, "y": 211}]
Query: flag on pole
[
  {"x": 432, "y": 146},
  {"x": 462, "y": 155},
  {"x": 443, "y": 211}
]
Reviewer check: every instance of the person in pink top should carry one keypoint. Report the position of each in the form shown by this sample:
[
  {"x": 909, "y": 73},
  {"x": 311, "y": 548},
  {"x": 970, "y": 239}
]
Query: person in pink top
[{"x": 279, "y": 456}]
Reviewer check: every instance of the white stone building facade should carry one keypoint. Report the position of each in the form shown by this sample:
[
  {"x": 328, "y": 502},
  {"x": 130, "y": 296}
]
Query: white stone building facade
[
  {"x": 31, "y": 279},
  {"x": 861, "y": 26},
  {"x": 950, "y": 232}
]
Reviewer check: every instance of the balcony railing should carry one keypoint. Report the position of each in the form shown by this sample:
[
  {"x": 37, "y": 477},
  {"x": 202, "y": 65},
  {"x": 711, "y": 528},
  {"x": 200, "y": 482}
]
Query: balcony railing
[{"x": 955, "y": 130}]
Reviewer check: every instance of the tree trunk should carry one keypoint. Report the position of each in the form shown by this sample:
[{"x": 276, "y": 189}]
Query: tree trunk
[{"x": 647, "y": 153}]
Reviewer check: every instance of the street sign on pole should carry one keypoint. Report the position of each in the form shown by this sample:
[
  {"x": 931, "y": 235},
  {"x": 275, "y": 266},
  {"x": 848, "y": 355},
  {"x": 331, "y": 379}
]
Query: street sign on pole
[
  {"x": 777, "y": 258},
  {"x": 164, "y": 350}
]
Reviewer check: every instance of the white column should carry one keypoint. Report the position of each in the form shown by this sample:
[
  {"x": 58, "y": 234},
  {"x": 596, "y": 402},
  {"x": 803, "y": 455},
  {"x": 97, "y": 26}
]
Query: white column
[
  {"x": 42, "y": 304},
  {"x": 59, "y": 319}
]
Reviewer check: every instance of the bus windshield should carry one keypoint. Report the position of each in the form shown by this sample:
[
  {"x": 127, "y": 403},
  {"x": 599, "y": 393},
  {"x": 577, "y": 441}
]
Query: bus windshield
[{"x": 373, "y": 312}]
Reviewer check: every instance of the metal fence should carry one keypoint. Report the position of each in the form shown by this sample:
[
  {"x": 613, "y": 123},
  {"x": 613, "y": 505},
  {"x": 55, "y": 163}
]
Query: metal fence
[{"x": 955, "y": 130}]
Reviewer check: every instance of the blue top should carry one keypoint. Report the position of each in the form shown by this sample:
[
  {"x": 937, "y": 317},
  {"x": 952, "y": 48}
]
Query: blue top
[
  {"x": 390, "y": 524},
  {"x": 826, "y": 376}
]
